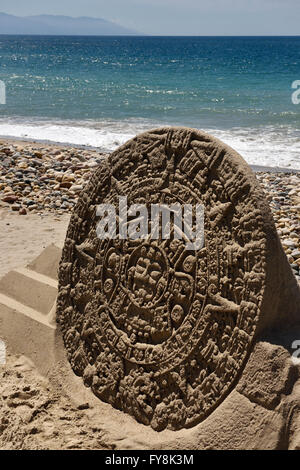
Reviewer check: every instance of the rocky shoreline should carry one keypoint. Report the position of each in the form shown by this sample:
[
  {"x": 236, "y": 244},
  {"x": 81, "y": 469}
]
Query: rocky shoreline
[
  {"x": 46, "y": 179},
  {"x": 43, "y": 179}
]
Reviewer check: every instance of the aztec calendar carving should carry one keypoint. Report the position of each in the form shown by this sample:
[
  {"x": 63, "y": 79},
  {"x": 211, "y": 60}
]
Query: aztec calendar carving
[{"x": 156, "y": 330}]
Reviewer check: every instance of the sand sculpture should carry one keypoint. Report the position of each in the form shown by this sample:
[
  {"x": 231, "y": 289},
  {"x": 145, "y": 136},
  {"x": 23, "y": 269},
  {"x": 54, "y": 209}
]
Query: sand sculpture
[{"x": 158, "y": 331}]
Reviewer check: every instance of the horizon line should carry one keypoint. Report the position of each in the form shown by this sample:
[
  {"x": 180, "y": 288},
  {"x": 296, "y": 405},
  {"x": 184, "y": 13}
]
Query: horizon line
[{"x": 159, "y": 35}]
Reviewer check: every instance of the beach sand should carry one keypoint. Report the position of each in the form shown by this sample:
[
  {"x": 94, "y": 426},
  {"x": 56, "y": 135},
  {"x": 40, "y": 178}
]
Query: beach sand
[
  {"x": 23, "y": 238},
  {"x": 39, "y": 185}
]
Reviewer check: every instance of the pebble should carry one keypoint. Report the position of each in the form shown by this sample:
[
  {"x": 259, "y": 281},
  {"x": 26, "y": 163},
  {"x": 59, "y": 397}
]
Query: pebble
[
  {"x": 10, "y": 198},
  {"x": 295, "y": 254},
  {"x": 288, "y": 243},
  {"x": 76, "y": 187},
  {"x": 83, "y": 406}
]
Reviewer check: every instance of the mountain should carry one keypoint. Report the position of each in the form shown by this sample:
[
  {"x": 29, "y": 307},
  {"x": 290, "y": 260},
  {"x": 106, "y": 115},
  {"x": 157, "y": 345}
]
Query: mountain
[{"x": 61, "y": 25}]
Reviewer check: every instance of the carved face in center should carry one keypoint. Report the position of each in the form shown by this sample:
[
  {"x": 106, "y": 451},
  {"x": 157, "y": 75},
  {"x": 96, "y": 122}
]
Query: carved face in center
[{"x": 147, "y": 275}]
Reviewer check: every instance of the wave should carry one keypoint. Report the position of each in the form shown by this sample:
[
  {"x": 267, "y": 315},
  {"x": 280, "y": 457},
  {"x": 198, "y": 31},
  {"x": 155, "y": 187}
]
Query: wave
[{"x": 275, "y": 146}]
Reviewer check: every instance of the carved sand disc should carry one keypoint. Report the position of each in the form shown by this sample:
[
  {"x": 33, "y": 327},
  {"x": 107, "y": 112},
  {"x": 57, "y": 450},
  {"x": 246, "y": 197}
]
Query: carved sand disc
[{"x": 156, "y": 330}]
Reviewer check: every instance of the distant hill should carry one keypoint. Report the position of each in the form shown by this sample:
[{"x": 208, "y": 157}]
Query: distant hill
[{"x": 61, "y": 25}]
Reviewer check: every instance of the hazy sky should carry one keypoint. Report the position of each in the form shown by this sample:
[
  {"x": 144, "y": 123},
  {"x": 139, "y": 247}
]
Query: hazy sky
[{"x": 177, "y": 17}]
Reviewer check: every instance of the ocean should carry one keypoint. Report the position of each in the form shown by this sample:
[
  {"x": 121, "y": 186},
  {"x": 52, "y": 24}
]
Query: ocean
[{"x": 101, "y": 91}]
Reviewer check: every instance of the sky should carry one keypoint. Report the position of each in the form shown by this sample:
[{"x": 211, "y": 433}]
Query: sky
[{"x": 177, "y": 17}]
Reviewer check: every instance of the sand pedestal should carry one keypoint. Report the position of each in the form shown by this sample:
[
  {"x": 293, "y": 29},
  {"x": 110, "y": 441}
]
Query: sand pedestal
[{"x": 27, "y": 309}]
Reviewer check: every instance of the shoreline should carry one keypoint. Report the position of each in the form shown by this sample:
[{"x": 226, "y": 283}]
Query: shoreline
[
  {"x": 46, "y": 143},
  {"x": 38, "y": 180},
  {"x": 49, "y": 143},
  {"x": 273, "y": 169}
]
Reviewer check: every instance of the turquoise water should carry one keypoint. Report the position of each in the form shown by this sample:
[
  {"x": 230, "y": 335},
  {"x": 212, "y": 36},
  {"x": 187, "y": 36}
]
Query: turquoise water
[{"x": 100, "y": 91}]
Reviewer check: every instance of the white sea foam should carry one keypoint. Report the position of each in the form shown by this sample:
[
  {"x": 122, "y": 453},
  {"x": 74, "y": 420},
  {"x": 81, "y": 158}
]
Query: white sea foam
[
  {"x": 267, "y": 146},
  {"x": 75, "y": 133}
]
